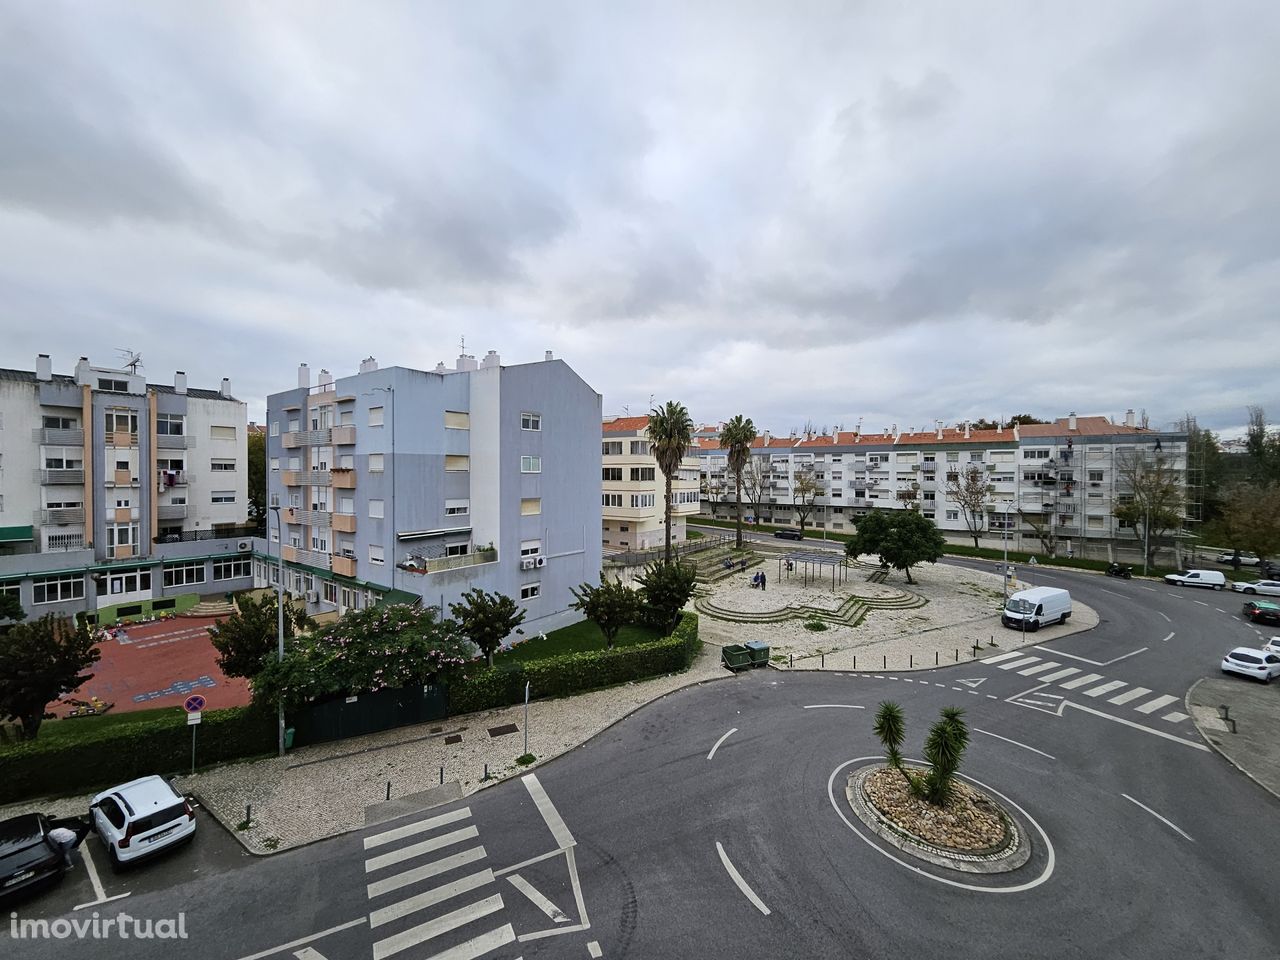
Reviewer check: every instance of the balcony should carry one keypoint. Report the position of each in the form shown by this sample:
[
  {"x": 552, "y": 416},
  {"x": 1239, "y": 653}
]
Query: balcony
[
  {"x": 306, "y": 438},
  {"x": 170, "y": 478},
  {"x": 60, "y": 476},
  {"x": 306, "y": 478},
  {"x": 120, "y": 438},
  {"x": 71, "y": 437},
  {"x": 344, "y": 566},
  {"x": 169, "y": 442},
  {"x": 60, "y": 515},
  {"x": 123, "y": 514},
  {"x": 122, "y": 478},
  {"x": 343, "y": 436},
  {"x": 343, "y": 522},
  {"x": 311, "y": 558},
  {"x": 123, "y": 551},
  {"x": 172, "y": 511},
  {"x": 437, "y": 564},
  {"x": 343, "y": 478},
  {"x": 312, "y": 518}
]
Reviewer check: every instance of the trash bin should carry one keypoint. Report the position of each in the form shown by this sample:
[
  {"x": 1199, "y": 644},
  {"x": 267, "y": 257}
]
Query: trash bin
[
  {"x": 759, "y": 651},
  {"x": 288, "y": 738},
  {"x": 736, "y": 657}
]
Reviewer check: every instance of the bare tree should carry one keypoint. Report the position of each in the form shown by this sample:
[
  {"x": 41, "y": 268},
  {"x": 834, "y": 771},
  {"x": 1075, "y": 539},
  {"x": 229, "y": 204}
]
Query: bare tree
[
  {"x": 805, "y": 490},
  {"x": 1155, "y": 504},
  {"x": 972, "y": 493},
  {"x": 910, "y": 496},
  {"x": 1045, "y": 530},
  {"x": 755, "y": 484}
]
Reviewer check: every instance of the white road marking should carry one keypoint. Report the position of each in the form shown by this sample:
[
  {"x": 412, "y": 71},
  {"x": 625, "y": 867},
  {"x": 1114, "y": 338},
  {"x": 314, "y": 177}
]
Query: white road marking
[
  {"x": 957, "y": 690},
  {"x": 974, "y": 692},
  {"x": 908, "y": 679},
  {"x": 1128, "y": 695},
  {"x": 1175, "y": 717},
  {"x": 1047, "y": 665},
  {"x": 1002, "y": 656},
  {"x": 1096, "y": 663},
  {"x": 433, "y": 928},
  {"x": 843, "y": 706},
  {"x": 1203, "y": 604},
  {"x": 425, "y": 872},
  {"x": 1161, "y": 701},
  {"x": 1167, "y": 823},
  {"x": 418, "y": 849},
  {"x": 307, "y": 939},
  {"x": 422, "y": 826},
  {"x": 1165, "y": 615},
  {"x": 537, "y": 898},
  {"x": 973, "y": 681},
  {"x": 1014, "y": 742},
  {"x": 1220, "y": 610},
  {"x": 430, "y": 898},
  {"x": 1136, "y": 726},
  {"x": 992, "y": 696},
  {"x": 527, "y": 863},
  {"x": 99, "y": 894},
  {"x": 1082, "y": 681},
  {"x": 1114, "y": 594},
  {"x": 1152, "y": 589},
  {"x": 1038, "y": 703},
  {"x": 720, "y": 741},
  {"x": 564, "y": 839},
  {"x": 1059, "y": 674},
  {"x": 593, "y": 948},
  {"x": 1104, "y": 688},
  {"x": 478, "y": 946},
  {"x": 878, "y": 676},
  {"x": 309, "y": 953},
  {"x": 1168, "y": 638},
  {"x": 1013, "y": 665},
  {"x": 742, "y": 884}
]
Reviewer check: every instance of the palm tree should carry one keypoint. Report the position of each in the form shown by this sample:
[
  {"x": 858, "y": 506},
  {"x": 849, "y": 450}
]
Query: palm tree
[
  {"x": 736, "y": 437},
  {"x": 671, "y": 433}
]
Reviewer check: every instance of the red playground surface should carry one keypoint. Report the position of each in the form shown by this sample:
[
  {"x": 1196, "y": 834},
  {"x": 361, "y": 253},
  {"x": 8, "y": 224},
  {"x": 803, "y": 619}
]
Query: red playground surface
[{"x": 159, "y": 664}]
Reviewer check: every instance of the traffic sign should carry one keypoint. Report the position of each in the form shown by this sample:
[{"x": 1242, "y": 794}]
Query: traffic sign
[
  {"x": 193, "y": 703},
  {"x": 193, "y": 718}
]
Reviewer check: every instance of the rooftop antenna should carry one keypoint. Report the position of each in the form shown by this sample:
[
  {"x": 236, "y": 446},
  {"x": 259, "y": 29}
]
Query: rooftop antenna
[
  {"x": 462, "y": 344},
  {"x": 131, "y": 360}
]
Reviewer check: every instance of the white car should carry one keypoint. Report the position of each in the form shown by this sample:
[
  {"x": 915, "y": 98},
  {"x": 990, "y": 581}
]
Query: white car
[
  {"x": 1250, "y": 662},
  {"x": 1198, "y": 578},
  {"x": 1246, "y": 559},
  {"x": 1272, "y": 645},
  {"x": 1268, "y": 588},
  {"x": 140, "y": 818}
]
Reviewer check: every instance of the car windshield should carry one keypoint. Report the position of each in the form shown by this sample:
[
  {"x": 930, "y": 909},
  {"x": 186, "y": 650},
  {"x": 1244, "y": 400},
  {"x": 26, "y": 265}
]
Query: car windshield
[{"x": 1018, "y": 605}]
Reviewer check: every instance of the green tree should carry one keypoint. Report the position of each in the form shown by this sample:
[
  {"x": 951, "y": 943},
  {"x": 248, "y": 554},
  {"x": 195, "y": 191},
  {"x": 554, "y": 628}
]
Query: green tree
[
  {"x": 664, "y": 590},
  {"x": 736, "y": 437},
  {"x": 944, "y": 749},
  {"x": 1252, "y": 518},
  {"x": 670, "y": 433},
  {"x": 11, "y": 607},
  {"x": 610, "y": 606},
  {"x": 868, "y": 534},
  {"x": 257, "y": 466},
  {"x": 486, "y": 619},
  {"x": 39, "y": 661},
  {"x": 1263, "y": 448},
  {"x": 891, "y": 728},
  {"x": 1155, "y": 506},
  {"x": 911, "y": 538},
  {"x": 247, "y": 639}
]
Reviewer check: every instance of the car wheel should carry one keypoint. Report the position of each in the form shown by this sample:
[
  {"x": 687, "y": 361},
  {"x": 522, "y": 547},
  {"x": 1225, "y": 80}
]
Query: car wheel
[
  {"x": 1035, "y": 625},
  {"x": 1217, "y": 586},
  {"x": 1250, "y": 590}
]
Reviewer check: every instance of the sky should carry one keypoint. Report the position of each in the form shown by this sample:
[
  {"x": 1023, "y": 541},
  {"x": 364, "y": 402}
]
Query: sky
[{"x": 804, "y": 212}]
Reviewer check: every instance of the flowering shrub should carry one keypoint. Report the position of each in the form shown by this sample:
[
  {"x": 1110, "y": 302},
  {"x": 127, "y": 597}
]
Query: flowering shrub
[{"x": 393, "y": 645}]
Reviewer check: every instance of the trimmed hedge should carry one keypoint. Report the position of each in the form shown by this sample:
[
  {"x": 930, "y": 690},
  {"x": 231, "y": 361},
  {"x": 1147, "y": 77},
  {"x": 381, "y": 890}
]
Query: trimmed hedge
[
  {"x": 124, "y": 752},
  {"x": 501, "y": 686}
]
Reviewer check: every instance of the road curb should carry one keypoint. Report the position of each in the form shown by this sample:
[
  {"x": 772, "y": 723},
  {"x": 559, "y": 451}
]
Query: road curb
[{"x": 1186, "y": 703}]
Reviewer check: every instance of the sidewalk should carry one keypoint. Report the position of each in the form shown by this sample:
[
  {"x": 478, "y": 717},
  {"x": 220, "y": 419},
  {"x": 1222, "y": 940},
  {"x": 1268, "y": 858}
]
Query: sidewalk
[{"x": 1254, "y": 747}]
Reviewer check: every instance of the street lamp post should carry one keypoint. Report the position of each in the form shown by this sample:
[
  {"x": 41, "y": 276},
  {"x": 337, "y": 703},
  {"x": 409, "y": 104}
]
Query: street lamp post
[
  {"x": 279, "y": 620},
  {"x": 1004, "y": 539}
]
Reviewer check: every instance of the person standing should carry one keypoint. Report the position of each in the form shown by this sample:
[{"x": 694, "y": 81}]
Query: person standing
[{"x": 763, "y": 580}]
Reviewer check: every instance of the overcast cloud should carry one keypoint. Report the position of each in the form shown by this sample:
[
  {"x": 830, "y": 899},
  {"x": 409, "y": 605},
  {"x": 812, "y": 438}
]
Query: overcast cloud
[{"x": 799, "y": 212}]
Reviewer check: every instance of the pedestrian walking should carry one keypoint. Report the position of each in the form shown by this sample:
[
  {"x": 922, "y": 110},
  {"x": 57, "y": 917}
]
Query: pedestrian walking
[{"x": 763, "y": 580}]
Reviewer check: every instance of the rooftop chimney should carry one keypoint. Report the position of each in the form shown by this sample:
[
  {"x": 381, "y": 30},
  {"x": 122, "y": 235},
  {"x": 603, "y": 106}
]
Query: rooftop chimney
[
  {"x": 82, "y": 371},
  {"x": 1071, "y": 420},
  {"x": 491, "y": 359},
  {"x": 547, "y": 356},
  {"x": 441, "y": 368},
  {"x": 1016, "y": 436},
  {"x": 1128, "y": 418},
  {"x": 938, "y": 425},
  {"x": 225, "y": 390},
  {"x": 180, "y": 382},
  {"x": 368, "y": 365},
  {"x": 304, "y": 376},
  {"x": 44, "y": 367},
  {"x": 325, "y": 380},
  {"x": 966, "y": 429},
  {"x": 466, "y": 362}
]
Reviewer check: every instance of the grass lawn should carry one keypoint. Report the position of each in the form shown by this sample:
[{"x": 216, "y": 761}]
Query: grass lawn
[
  {"x": 75, "y": 728},
  {"x": 578, "y": 638}
]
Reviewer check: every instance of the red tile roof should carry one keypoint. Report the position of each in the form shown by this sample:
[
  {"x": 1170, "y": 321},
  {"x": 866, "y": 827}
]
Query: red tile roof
[
  {"x": 625, "y": 424},
  {"x": 1085, "y": 427}
]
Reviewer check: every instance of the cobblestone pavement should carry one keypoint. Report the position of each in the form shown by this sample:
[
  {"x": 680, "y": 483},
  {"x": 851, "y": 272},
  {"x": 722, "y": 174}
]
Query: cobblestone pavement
[{"x": 1250, "y": 743}]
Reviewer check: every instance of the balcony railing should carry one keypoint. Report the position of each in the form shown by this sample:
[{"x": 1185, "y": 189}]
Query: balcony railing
[
  {"x": 120, "y": 438},
  {"x": 312, "y": 518},
  {"x": 307, "y": 478},
  {"x": 172, "y": 511},
  {"x": 167, "y": 441},
  {"x": 312, "y": 558},
  {"x": 344, "y": 566},
  {"x": 170, "y": 478},
  {"x": 344, "y": 435},
  {"x": 60, "y": 515},
  {"x": 60, "y": 476},
  {"x": 68, "y": 437},
  {"x": 214, "y": 533},
  {"x": 437, "y": 564},
  {"x": 343, "y": 522},
  {"x": 343, "y": 478}
]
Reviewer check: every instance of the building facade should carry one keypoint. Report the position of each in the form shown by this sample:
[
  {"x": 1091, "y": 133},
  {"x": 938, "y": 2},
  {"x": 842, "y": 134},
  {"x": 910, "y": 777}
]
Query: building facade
[
  {"x": 119, "y": 493},
  {"x": 412, "y": 485},
  {"x": 633, "y": 489}
]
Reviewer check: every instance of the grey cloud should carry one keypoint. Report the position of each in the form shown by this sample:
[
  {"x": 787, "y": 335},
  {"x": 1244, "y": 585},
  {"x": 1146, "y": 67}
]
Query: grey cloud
[{"x": 908, "y": 102}]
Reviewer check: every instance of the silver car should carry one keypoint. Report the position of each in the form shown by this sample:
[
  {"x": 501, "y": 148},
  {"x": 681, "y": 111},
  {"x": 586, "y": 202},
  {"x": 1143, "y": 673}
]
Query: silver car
[{"x": 1268, "y": 588}]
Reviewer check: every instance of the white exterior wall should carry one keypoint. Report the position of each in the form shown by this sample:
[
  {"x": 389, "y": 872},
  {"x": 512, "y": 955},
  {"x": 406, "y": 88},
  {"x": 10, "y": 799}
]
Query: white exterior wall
[
  {"x": 21, "y": 494},
  {"x": 202, "y": 416}
]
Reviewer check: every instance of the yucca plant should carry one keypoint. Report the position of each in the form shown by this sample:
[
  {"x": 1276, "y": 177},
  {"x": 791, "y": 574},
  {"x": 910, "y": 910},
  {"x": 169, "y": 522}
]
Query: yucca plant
[
  {"x": 891, "y": 729},
  {"x": 944, "y": 748}
]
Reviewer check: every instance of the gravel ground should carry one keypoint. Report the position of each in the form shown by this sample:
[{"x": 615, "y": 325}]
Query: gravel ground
[{"x": 970, "y": 822}]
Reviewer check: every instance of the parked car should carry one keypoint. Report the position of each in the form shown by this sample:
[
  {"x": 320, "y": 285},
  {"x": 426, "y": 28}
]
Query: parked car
[
  {"x": 788, "y": 534},
  {"x": 1249, "y": 662},
  {"x": 1262, "y": 611},
  {"x": 141, "y": 818},
  {"x": 1246, "y": 559},
  {"x": 1198, "y": 578},
  {"x": 1034, "y": 608},
  {"x": 28, "y": 856},
  {"x": 1269, "y": 588},
  {"x": 1272, "y": 645}
]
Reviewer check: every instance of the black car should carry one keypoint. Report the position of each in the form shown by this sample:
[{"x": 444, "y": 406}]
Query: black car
[
  {"x": 788, "y": 534},
  {"x": 1262, "y": 611},
  {"x": 28, "y": 857}
]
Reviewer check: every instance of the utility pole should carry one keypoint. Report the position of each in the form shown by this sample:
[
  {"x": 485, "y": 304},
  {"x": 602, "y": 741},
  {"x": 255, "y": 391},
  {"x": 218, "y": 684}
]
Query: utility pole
[{"x": 279, "y": 625}]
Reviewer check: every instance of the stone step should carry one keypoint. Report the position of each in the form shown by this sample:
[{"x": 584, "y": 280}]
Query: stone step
[{"x": 210, "y": 608}]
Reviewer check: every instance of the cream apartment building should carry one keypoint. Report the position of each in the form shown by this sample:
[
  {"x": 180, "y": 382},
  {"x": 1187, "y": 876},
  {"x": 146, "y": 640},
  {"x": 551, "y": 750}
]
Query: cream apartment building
[{"x": 633, "y": 488}]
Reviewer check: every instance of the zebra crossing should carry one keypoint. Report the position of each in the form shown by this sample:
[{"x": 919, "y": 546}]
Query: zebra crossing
[
  {"x": 1092, "y": 685},
  {"x": 431, "y": 865}
]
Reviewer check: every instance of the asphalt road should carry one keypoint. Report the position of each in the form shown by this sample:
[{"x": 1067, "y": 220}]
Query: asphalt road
[{"x": 648, "y": 844}]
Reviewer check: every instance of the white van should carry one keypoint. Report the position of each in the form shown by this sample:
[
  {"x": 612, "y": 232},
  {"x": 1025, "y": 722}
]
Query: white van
[
  {"x": 1198, "y": 578},
  {"x": 1037, "y": 607}
]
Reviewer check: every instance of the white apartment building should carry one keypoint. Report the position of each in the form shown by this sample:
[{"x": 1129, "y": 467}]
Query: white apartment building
[
  {"x": 633, "y": 489},
  {"x": 415, "y": 485},
  {"x": 117, "y": 492}
]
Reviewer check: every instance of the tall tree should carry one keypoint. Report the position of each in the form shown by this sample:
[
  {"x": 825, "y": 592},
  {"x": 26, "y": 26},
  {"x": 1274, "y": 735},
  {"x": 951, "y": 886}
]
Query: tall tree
[
  {"x": 670, "y": 433},
  {"x": 247, "y": 640},
  {"x": 805, "y": 490},
  {"x": 1252, "y": 518},
  {"x": 486, "y": 619},
  {"x": 755, "y": 484},
  {"x": 664, "y": 590},
  {"x": 736, "y": 438},
  {"x": 1155, "y": 505},
  {"x": 257, "y": 478},
  {"x": 911, "y": 538},
  {"x": 1045, "y": 529},
  {"x": 868, "y": 534},
  {"x": 971, "y": 491},
  {"x": 610, "y": 606},
  {"x": 1263, "y": 447},
  {"x": 39, "y": 661}
]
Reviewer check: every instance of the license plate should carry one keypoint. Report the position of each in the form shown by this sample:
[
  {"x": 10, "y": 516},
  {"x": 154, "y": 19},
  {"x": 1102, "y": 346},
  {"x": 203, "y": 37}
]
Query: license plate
[
  {"x": 161, "y": 835},
  {"x": 19, "y": 878}
]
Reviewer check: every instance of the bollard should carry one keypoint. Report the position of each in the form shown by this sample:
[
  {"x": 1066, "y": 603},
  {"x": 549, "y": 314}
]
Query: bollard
[
  {"x": 935, "y": 658},
  {"x": 248, "y": 813},
  {"x": 855, "y": 661},
  {"x": 957, "y": 654},
  {"x": 792, "y": 662},
  {"x": 884, "y": 665},
  {"x": 442, "y": 776},
  {"x": 388, "y": 789},
  {"x": 823, "y": 665},
  {"x": 486, "y": 772},
  {"x": 911, "y": 661}
]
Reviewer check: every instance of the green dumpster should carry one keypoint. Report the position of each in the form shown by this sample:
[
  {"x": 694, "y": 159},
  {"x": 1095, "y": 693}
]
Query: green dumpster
[
  {"x": 735, "y": 657},
  {"x": 759, "y": 651}
]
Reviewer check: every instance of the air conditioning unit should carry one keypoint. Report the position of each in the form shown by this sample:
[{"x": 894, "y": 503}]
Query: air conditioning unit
[
  {"x": 540, "y": 562},
  {"x": 313, "y": 596},
  {"x": 244, "y": 546},
  {"x": 527, "y": 563}
]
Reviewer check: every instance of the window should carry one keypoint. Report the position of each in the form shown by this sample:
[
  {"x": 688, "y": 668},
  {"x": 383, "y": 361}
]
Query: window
[
  {"x": 294, "y": 424},
  {"x": 330, "y": 592},
  {"x": 456, "y": 550},
  {"x": 953, "y": 514},
  {"x": 530, "y": 590},
  {"x": 929, "y": 496},
  {"x": 642, "y": 499},
  {"x": 222, "y": 496},
  {"x": 319, "y": 543},
  {"x": 530, "y": 548},
  {"x": 222, "y": 466},
  {"x": 611, "y": 448},
  {"x": 376, "y": 509},
  {"x": 231, "y": 569},
  {"x": 457, "y": 508},
  {"x": 975, "y": 457},
  {"x": 953, "y": 456},
  {"x": 929, "y": 514},
  {"x": 611, "y": 474},
  {"x": 347, "y": 462},
  {"x": 58, "y": 423},
  {"x": 1036, "y": 453},
  {"x": 376, "y": 554},
  {"x": 376, "y": 416},
  {"x": 611, "y": 500},
  {"x": 122, "y": 464},
  {"x": 295, "y": 463},
  {"x": 275, "y": 428},
  {"x": 170, "y": 424},
  {"x": 57, "y": 589},
  {"x": 121, "y": 421},
  {"x": 639, "y": 448},
  {"x": 275, "y": 463},
  {"x": 182, "y": 574},
  {"x": 457, "y": 420},
  {"x": 113, "y": 386},
  {"x": 530, "y": 464},
  {"x": 530, "y": 421},
  {"x": 217, "y": 432},
  {"x": 1095, "y": 476},
  {"x": 642, "y": 473},
  {"x": 457, "y": 462},
  {"x": 530, "y": 506},
  {"x": 1095, "y": 523},
  {"x": 347, "y": 506},
  {"x": 376, "y": 461}
]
